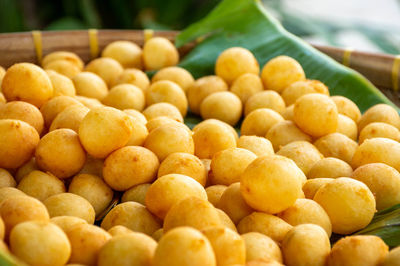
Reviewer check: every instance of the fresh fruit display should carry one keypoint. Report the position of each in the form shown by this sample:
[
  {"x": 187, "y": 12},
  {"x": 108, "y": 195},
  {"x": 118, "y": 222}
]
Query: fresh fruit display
[{"x": 103, "y": 163}]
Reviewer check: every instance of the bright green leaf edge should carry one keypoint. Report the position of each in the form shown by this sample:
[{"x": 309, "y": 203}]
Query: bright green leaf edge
[{"x": 246, "y": 23}]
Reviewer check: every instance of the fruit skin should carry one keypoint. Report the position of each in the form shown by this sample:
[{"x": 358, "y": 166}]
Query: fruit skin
[
  {"x": 40, "y": 243},
  {"x": 316, "y": 114},
  {"x": 358, "y": 250},
  {"x": 27, "y": 82},
  {"x": 18, "y": 141},
  {"x": 184, "y": 246},
  {"x": 349, "y": 204},
  {"x": 271, "y": 183}
]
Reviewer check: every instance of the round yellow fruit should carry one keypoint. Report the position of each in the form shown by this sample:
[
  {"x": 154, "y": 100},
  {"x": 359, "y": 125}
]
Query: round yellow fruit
[
  {"x": 159, "y": 52},
  {"x": 347, "y": 107},
  {"x": 234, "y": 62},
  {"x": 63, "y": 67},
  {"x": 338, "y": 146},
  {"x": 224, "y": 106},
  {"x": 349, "y": 204},
  {"x": 135, "y": 77},
  {"x": 133, "y": 216},
  {"x": 228, "y": 246},
  {"x": 8, "y": 192},
  {"x": 139, "y": 133},
  {"x": 299, "y": 88},
  {"x": 316, "y": 114},
  {"x": 264, "y": 99},
  {"x": 288, "y": 113},
  {"x": 214, "y": 193},
  {"x": 203, "y": 87},
  {"x": 303, "y": 153},
  {"x": 41, "y": 185},
  {"x": 23, "y": 111},
  {"x": 285, "y": 132},
  {"x": 233, "y": 204},
  {"x": 306, "y": 244},
  {"x": 266, "y": 224},
  {"x": 271, "y": 183},
  {"x": 90, "y": 103},
  {"x": 258, "y": 145},
  {"x": 27, "y": 82},
  {"x": 169, "y": 92},
  {"x": 130, "y": 166},
  {"x": 330, "y": 168},
  {"x": 170, "y": 189},
  {"x": 163, "y": 109},
  {"x": 106, "y": 68},
  {"x": 136, "y": 115},
  {"x": 20, "y": 208},
  {"x": 104, "y": 130},
  {"x": 184, "y": 164},
  {"x": 377, "y": 150},
  {"x": 136, "y": 193},
  {"x": 358, "y": 250},
  {"x": 71, "y": 117},
  {"x": 90, "y": 85},
  {"x": 62, "y": 85},
  {"x": 128, "y": 54},
  {"x": 67, "y": 222},
  {"x": 56, "y": 105},
  {"x": 86, "y": 242},
  {"x": 211, "y": 138},
  {"x": 392, "y": 258},
  {"x": 61, "y": 153},
  {"x": 382, "y": 180},
  {"x": 134, "y": 249},
  {"x": 228, "y": 165},
  {"x": 379, "y": 130},
  {"x": 125, "y": 96},
  {"x": 246, "y": 85},
  {"x": 118, "y": 230},
  {"x": 93, "y": 189},
  {"x": 379, "y": 113},
  {"x": 18, "y": 141},
  {"x": 175, "y": 248},
  {"x": 280, "y": 72},
  {"x": 63, "y": 55},
  {"x": 191, "y": 211},
  {"x": 261, "y": 247},
  {"x": 68, "y": 204},
  {"x": 259, "y": 121},
  {"x": 216, "y": 121},
  {"x": 169, "y": 139},
  {"x": 40, "y": 243},
  {"x": 348, "y": 127},
  {"x": 306, "y": 211},
  {"x": 179, "y": 75},
  {"x": 6, "y": 179},
  {"x": 311, "y": 186}
]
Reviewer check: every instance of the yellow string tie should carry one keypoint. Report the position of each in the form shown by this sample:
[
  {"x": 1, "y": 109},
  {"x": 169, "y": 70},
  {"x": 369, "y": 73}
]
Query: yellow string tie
[
  {"x": 37, "y": 42},
  {"x": 148, "y": 34},
  {"x": 346, "y": 56},
  {"x": 93, "y": 43},
  {"x": 395, "y": 73}
]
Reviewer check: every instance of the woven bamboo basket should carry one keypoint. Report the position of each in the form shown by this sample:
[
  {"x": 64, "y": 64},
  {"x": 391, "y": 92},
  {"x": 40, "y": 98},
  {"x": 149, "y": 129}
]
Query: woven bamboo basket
[{"x": 381, "y": 69}]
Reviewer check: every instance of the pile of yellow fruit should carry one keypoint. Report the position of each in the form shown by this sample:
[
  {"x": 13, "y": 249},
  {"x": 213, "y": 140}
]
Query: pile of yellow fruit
[{"x": 72, "y": 137}]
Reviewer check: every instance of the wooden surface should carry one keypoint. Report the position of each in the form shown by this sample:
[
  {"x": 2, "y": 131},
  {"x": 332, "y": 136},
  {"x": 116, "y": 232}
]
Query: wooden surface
[{"x": 19, "y": 47}]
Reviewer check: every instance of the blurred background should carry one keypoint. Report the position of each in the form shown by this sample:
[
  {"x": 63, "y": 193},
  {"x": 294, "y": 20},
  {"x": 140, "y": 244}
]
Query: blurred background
[{"x": 368, "y": 25}]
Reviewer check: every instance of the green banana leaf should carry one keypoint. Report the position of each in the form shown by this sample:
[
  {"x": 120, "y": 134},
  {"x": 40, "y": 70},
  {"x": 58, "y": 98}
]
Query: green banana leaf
[
  {"x": 247, "y": 24},
  {"x": 386, "y": 225}
]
